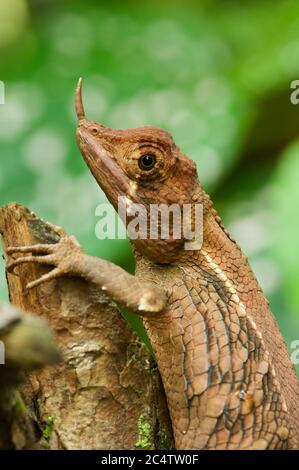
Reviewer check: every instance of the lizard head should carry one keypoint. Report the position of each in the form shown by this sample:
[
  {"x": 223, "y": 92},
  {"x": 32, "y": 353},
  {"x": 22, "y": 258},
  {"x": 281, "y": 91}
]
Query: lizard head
[{"x": 144, "y": 167}]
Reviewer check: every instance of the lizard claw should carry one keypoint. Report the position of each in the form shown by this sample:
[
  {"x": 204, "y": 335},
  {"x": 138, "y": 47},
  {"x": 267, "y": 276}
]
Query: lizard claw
[
  {"x": 29, "y": 259},
  {"x": 38, "y": 249},
  {"x": 63, "y": 256},
  {"x": 54, "y": 274}
]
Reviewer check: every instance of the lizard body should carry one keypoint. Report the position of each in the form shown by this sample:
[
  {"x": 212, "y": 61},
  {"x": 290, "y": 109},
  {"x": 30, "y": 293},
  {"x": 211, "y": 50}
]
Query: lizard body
[{"x": 227, "y": 374}]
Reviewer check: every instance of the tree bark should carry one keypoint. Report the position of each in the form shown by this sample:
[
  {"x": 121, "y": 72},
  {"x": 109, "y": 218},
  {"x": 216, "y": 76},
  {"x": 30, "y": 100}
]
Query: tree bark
[{"x": 107, "y": 393}]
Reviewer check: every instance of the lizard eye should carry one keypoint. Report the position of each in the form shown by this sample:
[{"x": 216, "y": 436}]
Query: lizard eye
[{"x": 147, "y": 162}]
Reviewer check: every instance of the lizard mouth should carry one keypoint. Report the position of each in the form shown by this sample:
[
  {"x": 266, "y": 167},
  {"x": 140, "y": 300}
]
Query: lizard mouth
[{"x": 101, "y": 161}]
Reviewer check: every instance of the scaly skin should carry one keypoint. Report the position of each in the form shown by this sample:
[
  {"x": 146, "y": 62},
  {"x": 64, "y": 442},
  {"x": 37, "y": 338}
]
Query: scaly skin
[{"x": 228, "y": 377}]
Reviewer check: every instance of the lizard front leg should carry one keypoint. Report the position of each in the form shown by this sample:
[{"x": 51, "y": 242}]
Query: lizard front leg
[{"x": 68, "y": 259}]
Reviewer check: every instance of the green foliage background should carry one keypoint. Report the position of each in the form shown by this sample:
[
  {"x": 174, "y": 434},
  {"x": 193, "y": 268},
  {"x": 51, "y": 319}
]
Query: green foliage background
[{"x": 216, "y": 74}]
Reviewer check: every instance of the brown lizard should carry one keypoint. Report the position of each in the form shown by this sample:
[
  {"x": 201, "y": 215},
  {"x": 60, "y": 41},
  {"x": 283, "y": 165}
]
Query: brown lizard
[{"x": 227, "y": 374}]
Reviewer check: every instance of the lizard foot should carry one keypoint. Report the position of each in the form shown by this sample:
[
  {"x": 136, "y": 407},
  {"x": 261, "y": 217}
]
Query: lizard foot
[{"x": 62, "y": 255}]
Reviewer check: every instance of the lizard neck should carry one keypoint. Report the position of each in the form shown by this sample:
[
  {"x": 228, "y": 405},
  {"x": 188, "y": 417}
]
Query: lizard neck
[{"x": 221, "y": 251}]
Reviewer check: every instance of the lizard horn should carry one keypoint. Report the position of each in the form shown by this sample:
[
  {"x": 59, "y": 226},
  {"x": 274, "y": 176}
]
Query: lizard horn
[{"x": 78, "y": 101}]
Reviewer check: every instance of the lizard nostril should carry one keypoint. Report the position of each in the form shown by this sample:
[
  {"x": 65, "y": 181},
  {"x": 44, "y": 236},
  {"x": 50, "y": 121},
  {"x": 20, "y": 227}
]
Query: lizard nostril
[{"x": 94, "y": 131}]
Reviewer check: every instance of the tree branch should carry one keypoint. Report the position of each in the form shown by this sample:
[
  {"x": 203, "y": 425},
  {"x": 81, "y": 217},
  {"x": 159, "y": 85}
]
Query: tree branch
[{"x": 94, "y": 400}]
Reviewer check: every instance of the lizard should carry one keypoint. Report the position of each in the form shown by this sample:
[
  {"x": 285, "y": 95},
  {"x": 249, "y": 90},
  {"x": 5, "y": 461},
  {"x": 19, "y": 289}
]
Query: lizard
[{"x": 228, "y": 377}]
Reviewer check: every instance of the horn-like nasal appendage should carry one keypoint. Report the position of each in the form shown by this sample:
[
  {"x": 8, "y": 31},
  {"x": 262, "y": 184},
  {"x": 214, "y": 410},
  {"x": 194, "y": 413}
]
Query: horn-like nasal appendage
[{"x": 78, "y": 101}]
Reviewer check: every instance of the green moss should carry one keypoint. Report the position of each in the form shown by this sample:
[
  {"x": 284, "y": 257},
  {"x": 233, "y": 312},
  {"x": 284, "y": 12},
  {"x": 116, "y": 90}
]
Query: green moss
[
  {"x": 145, "y": 434},
  {"x": 47, "y": 431}
]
